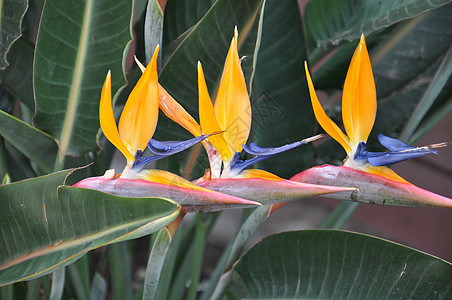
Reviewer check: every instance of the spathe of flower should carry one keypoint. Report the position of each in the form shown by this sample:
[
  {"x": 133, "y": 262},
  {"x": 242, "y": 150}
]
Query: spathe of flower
[
  {"x": 230, "y": 117},
  {"x": 363, "y": 169},
  {"x": 135, "y": 129}
]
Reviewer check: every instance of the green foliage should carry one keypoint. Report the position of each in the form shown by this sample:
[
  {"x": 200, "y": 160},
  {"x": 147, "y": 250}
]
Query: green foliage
[
  {"x": 71, "y": 62},
  {"x": 328, "y": 264},
  {"x": 50, "y": 226}
]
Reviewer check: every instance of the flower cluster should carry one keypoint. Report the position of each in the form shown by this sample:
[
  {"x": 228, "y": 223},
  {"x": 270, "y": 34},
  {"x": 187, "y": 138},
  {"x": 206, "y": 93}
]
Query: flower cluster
[{"x": 224, "y": 130}]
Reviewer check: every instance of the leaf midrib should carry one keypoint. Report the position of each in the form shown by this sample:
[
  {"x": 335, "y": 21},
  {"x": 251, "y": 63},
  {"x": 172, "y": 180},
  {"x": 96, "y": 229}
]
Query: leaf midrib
[{"x": 74, "y": 95}]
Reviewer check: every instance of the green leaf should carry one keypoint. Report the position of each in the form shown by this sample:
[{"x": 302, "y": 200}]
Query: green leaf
[
  {"x": 180, "y": 15},
  {"x": 11, "y": 15},
  {"x": 250, "y": 223},
  {"x": 17, "y": 78},
  {"x": 155, "y": 263},
  {"x": 281, "y": 112},
  {"x": 58, "y": 279},
  {"x": 340, "y": 215},
  {"x": 208, "y": 42},
  {"x": 78, "y": 43},
  {"x": 328, "y": 264},
  {"x": 153, "y": 28},
  {"x": 44, "y": 231},
  {"x": 329, "y": 22},
  {"x": 438, "y": 82},
  {"x": 98, "y": 287},
  {"x": 33, "y": 143},
  {"x": 120, "y": 270}
]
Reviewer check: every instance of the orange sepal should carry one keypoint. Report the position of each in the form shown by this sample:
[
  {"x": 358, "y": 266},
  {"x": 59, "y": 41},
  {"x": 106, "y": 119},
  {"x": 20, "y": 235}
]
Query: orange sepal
[
  {"x": 139, "y": 116},
  {"x": 107, "y": 120},
  {"x": 327, "y": 124},
  {"x": 359, "y": 98},
  {"x": 232, "y": 103}
]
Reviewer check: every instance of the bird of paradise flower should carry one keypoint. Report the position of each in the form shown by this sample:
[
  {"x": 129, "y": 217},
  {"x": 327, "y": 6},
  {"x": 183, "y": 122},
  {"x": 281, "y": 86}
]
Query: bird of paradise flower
[
  {"x": 231, "y": 117},
  {"x": 136, "y": 127},
  {"x": 362, "y": 169}
]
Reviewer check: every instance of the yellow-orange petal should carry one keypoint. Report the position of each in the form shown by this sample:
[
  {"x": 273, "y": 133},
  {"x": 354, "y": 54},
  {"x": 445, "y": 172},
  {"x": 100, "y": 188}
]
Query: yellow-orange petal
[
  {"x": 139, "y": 116},
  {"x": 107, "y": 119},
  {"x": 173, "y": 110},
  {"x": 232, "y": 104},
  {"x": 327, "y": 124},
  {"x": 385, "y": 172},
  {"x": 359, "y": 100},
  {"x": 208, "y": 120}
]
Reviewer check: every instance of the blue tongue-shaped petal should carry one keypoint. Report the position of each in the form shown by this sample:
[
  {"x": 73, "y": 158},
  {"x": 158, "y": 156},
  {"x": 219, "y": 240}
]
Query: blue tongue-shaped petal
[
  {"x": 392, "y": 144},
  {"x": 398, "y": 151},
  {"x": 164, "y": 149},
  {"x": 238, "y": 165}
]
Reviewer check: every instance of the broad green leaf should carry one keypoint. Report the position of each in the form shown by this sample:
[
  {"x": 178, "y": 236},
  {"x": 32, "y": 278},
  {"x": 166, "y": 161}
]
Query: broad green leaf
[
  {"x": 33, "y": 143},
  {"x": 44, "y": 231},
  {"x": 17, "y": 78},
  {"x": 11, "y": 14},
  {"x": 208, "y": 42},
  {"x": 78, "y": 43},
  {"x": 180, "y": 15},
  {"x": 328, "y": 264},
  {"x": 282, "y": 112},
  {"x": 329, "y": 22}
]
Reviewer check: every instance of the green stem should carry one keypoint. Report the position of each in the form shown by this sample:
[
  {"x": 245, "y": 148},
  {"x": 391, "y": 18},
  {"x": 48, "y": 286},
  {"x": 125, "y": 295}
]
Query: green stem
[
  {"x": 340, "y": 215},
  {"x": 197, "y": 259}
]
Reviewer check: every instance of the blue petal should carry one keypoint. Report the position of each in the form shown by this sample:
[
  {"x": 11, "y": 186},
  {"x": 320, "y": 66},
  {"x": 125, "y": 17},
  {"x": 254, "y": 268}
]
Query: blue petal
[
  {"x": 238, "y": 165},
  {"x": 392, "y": 157},
  {"x": 399, "y": 151},
  {"x": 392, "y": 144},
  {"x": 141, "y": 162},
  {"x": 164, "y": 149},
  {"x": 254, "y": 149},
  {"x": 173, "y": 147}
]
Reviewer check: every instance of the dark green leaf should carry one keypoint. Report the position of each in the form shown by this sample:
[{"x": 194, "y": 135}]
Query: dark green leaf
[
  {"x": 281, "y": 112},
  {"x": 33, "y": 143},
  {"x": 17, "y": 78},
  {"x": 120, "y": 270},
  {"x": 436, "y": 86},
  {"x": 11, "y": 14},
  {"x": 78, "y": 43},
  {"x": 43, "y": 231},
  {"x": 329, "y": 22},
  {"x": 208, "y": 42},
  {"x": 180, "y": 15},
  {"x": 327, "y": 264}
]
